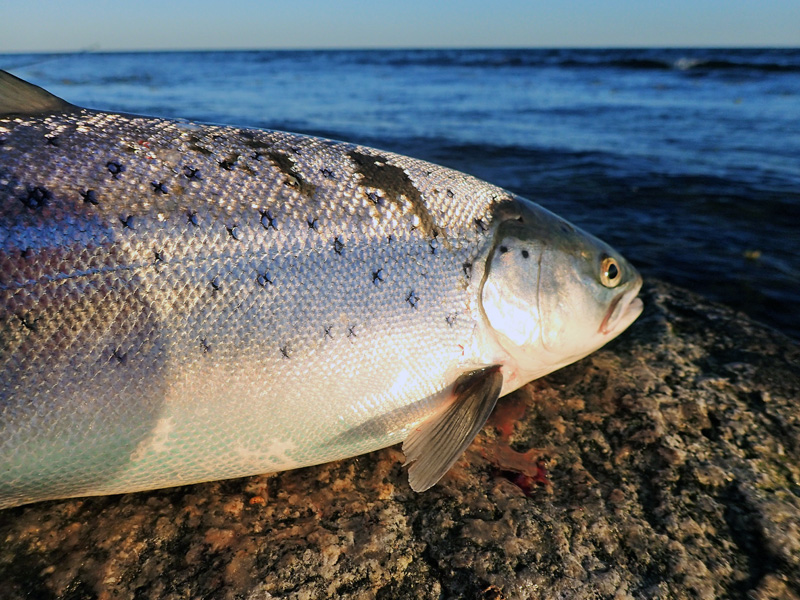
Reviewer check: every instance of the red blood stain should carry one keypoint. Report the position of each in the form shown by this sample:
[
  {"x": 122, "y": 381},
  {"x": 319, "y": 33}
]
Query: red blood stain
[{"x": 527, "y": 470}]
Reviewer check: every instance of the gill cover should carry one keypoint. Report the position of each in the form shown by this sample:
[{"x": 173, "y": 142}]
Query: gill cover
[
  {"x": 551, "y": 292},
  {"x": 510, "y": 288}
]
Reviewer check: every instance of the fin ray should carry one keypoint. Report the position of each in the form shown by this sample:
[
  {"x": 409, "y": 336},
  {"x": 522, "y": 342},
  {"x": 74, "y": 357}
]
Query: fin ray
[{"x": 438, "y": 443}]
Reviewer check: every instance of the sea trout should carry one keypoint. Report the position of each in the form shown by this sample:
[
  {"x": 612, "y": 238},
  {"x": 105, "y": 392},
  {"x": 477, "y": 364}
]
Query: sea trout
[{"x": 183, "y": 303}]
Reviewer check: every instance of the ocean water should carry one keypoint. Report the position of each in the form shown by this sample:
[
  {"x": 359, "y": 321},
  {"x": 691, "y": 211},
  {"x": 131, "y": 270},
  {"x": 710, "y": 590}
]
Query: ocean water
[{"x": 686, "y": 160}]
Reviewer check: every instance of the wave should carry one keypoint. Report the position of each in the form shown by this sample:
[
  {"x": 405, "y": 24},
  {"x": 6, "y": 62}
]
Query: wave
[
  {"x": 765, "y": 60},
  {"x": 689, "y": 64}
]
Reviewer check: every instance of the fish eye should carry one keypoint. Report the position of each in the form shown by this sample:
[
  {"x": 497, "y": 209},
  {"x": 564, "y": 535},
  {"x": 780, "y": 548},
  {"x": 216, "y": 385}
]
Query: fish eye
[{"x": 610, "y": 273}]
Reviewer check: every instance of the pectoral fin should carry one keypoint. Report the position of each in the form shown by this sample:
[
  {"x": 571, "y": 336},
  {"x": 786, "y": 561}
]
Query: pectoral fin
[{"x": 437, "y": 443}]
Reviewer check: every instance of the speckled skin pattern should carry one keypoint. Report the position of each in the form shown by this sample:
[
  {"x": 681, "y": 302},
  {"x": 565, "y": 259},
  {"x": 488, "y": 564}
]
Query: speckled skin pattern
[{"x": 182, "y": 303}]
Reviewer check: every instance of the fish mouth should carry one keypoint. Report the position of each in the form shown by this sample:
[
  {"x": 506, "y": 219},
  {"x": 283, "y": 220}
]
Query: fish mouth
[{"x": 623, "y": 310}]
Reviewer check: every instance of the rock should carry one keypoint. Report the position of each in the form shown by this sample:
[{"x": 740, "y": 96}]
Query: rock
[{"x": 666, "y": 465}]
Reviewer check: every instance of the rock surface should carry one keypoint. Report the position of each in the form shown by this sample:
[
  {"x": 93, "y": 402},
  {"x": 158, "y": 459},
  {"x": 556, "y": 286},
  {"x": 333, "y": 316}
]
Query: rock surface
[{"x": 666, "y": 465}]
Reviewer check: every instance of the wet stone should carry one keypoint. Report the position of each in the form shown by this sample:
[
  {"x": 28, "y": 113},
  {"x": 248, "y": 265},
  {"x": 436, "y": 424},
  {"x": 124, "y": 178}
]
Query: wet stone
[{"x": 665, "y": 465}]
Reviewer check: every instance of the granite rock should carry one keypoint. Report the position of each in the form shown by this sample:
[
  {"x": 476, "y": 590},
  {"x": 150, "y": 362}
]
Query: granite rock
[{"x": 666, "y": 465}]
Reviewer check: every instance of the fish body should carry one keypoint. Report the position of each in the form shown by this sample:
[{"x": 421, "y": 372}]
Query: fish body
[{"x": 183, "y": 303}]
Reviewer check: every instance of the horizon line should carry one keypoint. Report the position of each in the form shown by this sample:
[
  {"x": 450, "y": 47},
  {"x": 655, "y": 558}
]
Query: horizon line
[{"x": 403, "y": 48}]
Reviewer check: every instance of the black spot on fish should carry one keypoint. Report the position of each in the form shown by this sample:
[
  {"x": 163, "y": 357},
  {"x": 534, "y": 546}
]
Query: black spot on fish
[
  {"x": 228, "y": 163},
  {"x": 36, "y": 198},
  {"x": 115, "y": 168},
  {"x": 450, "y": 193},
  {"x": 234, "y": 232},
  {"x": 90, "y": 197},
  {"x": 285, "y": 351},
  {"x": 338, "y": 246},
  {"x": 295, "y": 150},
  {"x": 264, "y": 279},
  {"x": 121, "y": 357},
  {"x": 312, "y": 224},
  {"x": 216, "y": 284},
  {"x": 26, "y": 253},
  {"x": 191, "y": 172},
  {"x": 192, "y": 218},
  {"x": 434, "y": 245},
  {"x": 375, "y": 198},
  {"x": 158, "y": 187},
  {"x": 27, "y": 323},
  {"x": 351, "y": 331},
  {"x": 328, "y": 331},
  {"x": 377, "y": 276},
  {"x": 467, "y": 269},
  {"x": 481, "y": 225},
  {"x": 451, "y": 319},
  {"x": 267, "y": 220},
  {"x": 205, "y": 346},
  {"x": 327, "y": 173},
  {"x": 525, "y": 254},
  {"x": 52, "y": 140},
  {"x": 377, "y": 173},
  {"x": 503, "y": 249},
  {"x": 128, "y": 222},
  {"x": 286, "y": 165},
  {"x": 390, "y": 239},
  {"x": 159, "y": 256},
  {"x": 412, "y": 299}
]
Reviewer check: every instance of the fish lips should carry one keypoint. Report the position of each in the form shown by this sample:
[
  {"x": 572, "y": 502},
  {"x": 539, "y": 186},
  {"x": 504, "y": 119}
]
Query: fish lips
[{"x": 623, "y": 310}]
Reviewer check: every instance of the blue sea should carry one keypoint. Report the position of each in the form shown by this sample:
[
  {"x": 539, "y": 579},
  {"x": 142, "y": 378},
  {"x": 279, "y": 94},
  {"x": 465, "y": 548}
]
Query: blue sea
[{"x": 686, "y": 160}]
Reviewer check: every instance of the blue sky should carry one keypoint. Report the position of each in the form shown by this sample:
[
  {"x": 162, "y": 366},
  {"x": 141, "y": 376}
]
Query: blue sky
[{"x": 44, "y": 25}]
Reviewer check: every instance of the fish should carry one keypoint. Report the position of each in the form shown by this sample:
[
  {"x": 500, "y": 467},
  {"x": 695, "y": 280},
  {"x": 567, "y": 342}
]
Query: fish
[{"x": 184, "y": 302}]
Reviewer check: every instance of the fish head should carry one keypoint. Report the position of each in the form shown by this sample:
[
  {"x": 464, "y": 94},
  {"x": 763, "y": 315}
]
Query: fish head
[{"x": 551, "y": 292}]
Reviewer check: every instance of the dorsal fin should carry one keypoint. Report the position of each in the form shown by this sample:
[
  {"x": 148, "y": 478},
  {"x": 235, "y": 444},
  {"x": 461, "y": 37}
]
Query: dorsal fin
[{"x": 18, "y": 97}]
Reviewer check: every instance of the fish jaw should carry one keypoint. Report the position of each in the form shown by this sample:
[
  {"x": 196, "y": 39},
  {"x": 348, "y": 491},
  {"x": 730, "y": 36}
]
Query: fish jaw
[{"x": 622, "y": 312}]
